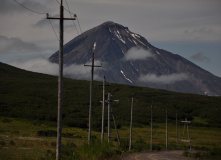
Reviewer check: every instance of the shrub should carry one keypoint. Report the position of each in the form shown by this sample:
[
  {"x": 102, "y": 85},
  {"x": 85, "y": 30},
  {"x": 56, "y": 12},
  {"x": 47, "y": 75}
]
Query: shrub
[
  {"x": 6, "y": 120},
  {"x": 140, "y": 145},
  {"x": 47, "y": 133},
  {"x": 2, "y": 143},
  {"x": 12, "y": 143}
]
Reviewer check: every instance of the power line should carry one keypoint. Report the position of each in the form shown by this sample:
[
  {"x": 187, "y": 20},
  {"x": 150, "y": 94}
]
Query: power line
[
  {"x": 68, "y": 10},
  {"x": 71, "y": 16},
  {"x": 37, "y": 13},
  {"x": 79, "y": 24},
  {"x": 28, "y": 8},
  {"x": 53, "y": 29}
]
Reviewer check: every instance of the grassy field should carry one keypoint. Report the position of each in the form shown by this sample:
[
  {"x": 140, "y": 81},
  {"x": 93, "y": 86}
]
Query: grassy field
[{"x": 19, "y": 139}]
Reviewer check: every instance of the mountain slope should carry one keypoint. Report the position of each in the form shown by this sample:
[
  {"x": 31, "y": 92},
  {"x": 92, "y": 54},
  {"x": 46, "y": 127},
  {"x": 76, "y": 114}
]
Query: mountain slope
[{"x": 128, "y": 58}]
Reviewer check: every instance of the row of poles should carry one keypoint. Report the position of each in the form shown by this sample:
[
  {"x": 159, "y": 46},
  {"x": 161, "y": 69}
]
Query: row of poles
[
  {"x": 151, "y": 129},
  {"x": 60, "y": 95}
]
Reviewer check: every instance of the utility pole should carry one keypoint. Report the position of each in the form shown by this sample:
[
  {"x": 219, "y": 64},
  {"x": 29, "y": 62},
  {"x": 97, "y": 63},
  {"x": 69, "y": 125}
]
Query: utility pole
[
  {"x": 60, "y": 81},
  {"x": 176, "y": 132},
  {"x": 109, "y": 117},
  {"x": 131, "y": 122},
  {"x": 91, "y": 93},
  {"x": 166, "y": 131},
  {"x": 151, "y": 127},
  {"x": 103, "y": 107},
  {"x": 110, "y": 111}
]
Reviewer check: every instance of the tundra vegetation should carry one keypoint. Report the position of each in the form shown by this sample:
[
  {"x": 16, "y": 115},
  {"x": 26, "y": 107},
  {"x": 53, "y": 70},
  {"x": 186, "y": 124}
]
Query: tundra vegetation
[{"x": 28, "y": 114}]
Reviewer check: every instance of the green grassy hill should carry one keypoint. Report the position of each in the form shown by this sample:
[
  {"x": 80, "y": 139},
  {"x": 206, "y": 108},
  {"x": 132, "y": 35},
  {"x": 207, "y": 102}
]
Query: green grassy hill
[{"x": 30, "y": 95}]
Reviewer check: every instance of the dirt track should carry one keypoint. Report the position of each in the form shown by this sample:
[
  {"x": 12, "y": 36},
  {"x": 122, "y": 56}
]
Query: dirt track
[{"x": 156, "y": 155}]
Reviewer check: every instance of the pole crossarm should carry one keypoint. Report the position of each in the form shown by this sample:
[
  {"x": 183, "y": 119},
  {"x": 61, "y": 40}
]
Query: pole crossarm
[
  {"x": 60, "y": 18},
  {"x": 87, "y": 65}
]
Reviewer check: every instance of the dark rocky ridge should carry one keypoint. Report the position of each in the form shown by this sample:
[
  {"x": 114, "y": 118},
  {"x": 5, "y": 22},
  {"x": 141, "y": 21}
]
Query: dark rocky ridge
[{"x": 114, "y": 40}]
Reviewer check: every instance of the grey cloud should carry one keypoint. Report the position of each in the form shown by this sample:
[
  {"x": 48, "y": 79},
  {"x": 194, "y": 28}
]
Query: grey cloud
[
  {"x": 13, "y": 7},
  {"x": 136, "y": 53},
  {"x": 39, "y": 64},
  {"x": 79, "y": 71},
  {"x": 163, "y": 79},
  {"x": 199, "y": 57},
  {"x": 203, "y": 33},
  {"x": 42, "y": 23},
  {"x": 202, "y": 30},
  {"x": 16, "y": 45},
  {"x": 42, "y": 65}
]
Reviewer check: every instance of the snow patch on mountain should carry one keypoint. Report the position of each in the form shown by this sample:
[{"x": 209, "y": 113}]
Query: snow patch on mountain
[
  {"x": 117, "y": 34},
  {"x": 135, "y": 36},
  {"x": 126, "y": 77}
]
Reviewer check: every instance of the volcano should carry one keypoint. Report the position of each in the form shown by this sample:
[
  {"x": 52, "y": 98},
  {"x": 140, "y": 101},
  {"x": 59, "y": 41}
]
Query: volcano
[{"x": 128, "y": 58}]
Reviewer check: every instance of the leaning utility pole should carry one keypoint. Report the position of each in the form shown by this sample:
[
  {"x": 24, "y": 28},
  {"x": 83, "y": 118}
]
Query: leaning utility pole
[
  {"x": 118, "y": 137},
  {"x": 131, "y": 122},
  {"x": 91, "y": 93},
  {"x": 60, "y": 81}
]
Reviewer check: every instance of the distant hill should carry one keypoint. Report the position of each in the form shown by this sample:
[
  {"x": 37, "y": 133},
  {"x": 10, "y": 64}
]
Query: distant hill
[
  {"x": 33, "y": 96},
  {"x": 128, "y": 58}
]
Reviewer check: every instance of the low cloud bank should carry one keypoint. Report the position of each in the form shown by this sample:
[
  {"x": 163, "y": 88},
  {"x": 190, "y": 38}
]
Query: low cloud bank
[
  {"x": 42, "y": 65},
  {"x": 16, "y": 45},
  {"x": 136, "y": 53},
  {"x": 39, "y": 64},
  {"x": 163, "y": 79}
]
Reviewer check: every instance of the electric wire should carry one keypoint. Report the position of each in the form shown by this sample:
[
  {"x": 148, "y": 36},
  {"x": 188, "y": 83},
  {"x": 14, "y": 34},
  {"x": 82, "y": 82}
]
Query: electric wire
[
  {"x": 68, "y": 10},
  {"x": 79, "y": 24},
  {"x": 28, "y": 8},
  {"x": 53, "y": 30},
  {"x": 37, "y": 13},
  {"x": 71, "y": 16}
]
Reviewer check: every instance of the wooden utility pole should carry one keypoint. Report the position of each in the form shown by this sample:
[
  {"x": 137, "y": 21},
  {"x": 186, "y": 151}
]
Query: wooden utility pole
[
  {"x": 91, "y": 93},
  {"x": 166, "y": 131},
  {"x": 151, "y": 127},
  {"x": 103, "y": 110},
  {"x": 109, "y": 136},
  {"x": 176, "y": 132},
  {"x": 131, "y": 123},
  {"x": 60, "y": 81}
]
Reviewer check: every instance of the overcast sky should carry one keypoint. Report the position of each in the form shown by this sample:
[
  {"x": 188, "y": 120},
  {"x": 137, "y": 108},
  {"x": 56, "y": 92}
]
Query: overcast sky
[{"x": 190, "y": 28}]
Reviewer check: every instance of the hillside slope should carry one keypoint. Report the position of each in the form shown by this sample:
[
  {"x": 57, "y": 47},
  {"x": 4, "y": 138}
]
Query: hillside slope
[{"x": 30, "y": 95}]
